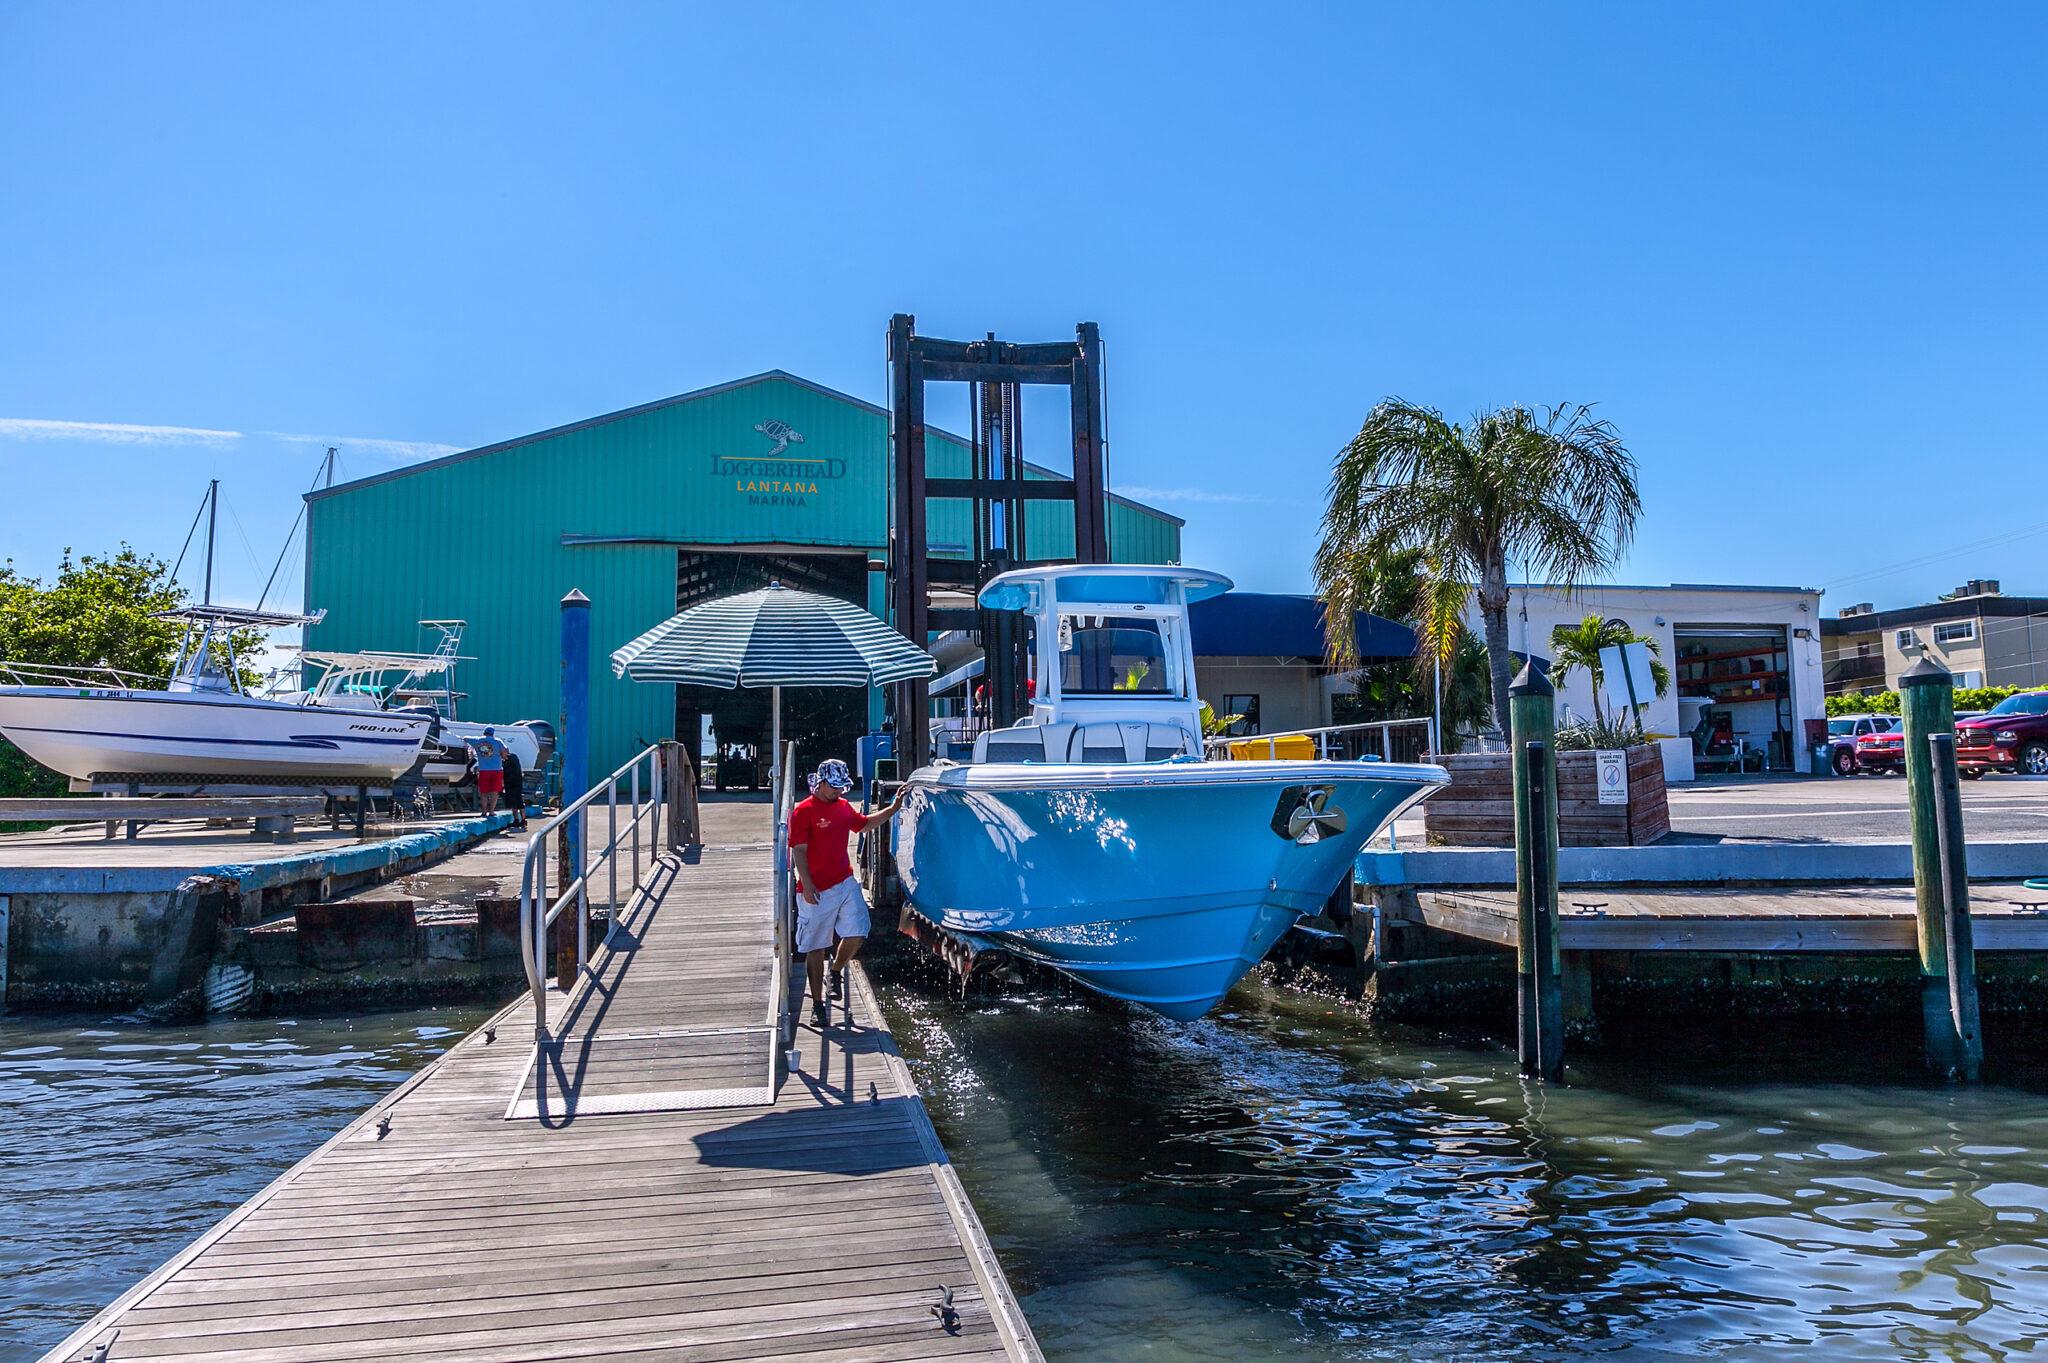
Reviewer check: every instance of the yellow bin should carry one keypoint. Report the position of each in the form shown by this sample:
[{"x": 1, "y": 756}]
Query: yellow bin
[{"x": 1290, "y": 748}]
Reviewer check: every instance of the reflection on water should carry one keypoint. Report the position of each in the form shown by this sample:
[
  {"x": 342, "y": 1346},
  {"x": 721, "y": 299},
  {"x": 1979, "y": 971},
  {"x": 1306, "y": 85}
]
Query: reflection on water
[
  {"x": 119, "y": 1143},
  {"x": 1280, "y": 1181}
]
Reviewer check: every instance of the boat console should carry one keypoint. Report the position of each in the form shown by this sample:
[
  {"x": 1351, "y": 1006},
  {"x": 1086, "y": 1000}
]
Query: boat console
[{"x": 1114, "y": 664}]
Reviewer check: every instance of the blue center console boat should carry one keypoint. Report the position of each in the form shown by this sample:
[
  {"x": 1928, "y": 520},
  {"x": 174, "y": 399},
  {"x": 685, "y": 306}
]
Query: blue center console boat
[{"x": 1096, "y": 838}]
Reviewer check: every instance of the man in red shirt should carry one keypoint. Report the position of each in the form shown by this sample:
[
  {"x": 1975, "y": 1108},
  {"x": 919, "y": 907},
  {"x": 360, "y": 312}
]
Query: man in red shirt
[{"x": 829, "y": 902}]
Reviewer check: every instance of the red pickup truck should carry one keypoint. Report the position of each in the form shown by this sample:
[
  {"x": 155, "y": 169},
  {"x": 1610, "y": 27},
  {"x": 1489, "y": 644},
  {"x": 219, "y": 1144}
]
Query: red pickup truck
[
  {"x": 2011, "y": 736},
  {"x": 1882, "y": 753}
]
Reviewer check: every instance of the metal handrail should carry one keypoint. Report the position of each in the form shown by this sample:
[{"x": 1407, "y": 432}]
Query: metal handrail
[
  {"x": 51, "y": 674},
  {"x": 782, "y": 788},
  {"x": 538, "y": 911},
  {"x": 1220, "y": 746}
]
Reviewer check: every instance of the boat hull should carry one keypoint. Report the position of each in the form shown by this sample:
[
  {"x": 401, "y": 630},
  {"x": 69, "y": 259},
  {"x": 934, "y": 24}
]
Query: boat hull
[
  {"x": 84, "y": 732},
  {"x": 1160, "y": 884}
]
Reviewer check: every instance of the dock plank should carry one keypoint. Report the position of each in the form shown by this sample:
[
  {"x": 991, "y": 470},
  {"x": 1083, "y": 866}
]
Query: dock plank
[{"x": 819, "y": 1227}]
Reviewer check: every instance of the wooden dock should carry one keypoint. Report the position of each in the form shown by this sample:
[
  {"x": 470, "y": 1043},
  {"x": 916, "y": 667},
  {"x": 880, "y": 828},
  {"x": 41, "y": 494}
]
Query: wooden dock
[
  {"x": 1831, "y": 918},
  {"x": 622, "y": 1219}
]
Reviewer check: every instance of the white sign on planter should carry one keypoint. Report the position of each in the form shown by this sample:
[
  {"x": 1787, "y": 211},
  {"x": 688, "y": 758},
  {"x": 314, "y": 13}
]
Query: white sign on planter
[
  {"x": 1611, "y": 770},
  {"x": 1625, "y": 675}
]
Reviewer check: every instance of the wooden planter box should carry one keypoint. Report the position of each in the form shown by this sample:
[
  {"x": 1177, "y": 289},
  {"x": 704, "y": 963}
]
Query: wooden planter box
[{"x": 1477, "y": 809}]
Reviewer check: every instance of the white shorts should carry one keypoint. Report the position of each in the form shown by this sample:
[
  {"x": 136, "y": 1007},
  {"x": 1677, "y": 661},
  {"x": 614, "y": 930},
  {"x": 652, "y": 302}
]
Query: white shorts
[{"x": 841, "y": 911}]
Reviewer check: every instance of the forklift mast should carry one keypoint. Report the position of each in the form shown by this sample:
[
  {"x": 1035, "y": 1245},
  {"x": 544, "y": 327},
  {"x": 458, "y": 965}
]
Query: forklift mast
[{"x": 997, "y": 490}]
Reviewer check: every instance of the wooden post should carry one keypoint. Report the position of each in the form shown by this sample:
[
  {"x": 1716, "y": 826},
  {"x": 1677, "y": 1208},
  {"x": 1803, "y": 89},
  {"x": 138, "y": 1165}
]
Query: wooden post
[
  {"x": 1958, "y": 937},
  {"x": 1539, "y": 991},
  {"x": 1941, "y": 878},
  {"x": 679, "y": 779},
  {"x": 562, "y": 937}
]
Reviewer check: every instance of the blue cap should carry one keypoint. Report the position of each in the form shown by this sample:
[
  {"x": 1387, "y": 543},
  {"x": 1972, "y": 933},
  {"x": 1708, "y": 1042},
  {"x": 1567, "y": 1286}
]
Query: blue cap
[{"x": 832, "y": 772}]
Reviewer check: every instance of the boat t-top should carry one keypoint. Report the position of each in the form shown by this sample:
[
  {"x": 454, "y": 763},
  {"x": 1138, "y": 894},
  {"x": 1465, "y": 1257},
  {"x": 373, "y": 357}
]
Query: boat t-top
[
  {"x": 382, "y": 681},
  {"x": 1096, "y": 838}
]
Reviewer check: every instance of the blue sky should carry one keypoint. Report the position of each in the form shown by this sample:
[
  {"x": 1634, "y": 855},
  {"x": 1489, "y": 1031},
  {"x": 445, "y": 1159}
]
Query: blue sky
[{"x": 1795, "y": 253}]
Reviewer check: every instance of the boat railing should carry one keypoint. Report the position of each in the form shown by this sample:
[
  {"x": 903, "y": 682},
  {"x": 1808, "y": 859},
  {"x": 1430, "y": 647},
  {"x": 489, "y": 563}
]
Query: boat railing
[
  {"x": 1386, "y": 740},
  {"x": 47, "y": 674},
  {"x": 640, "y": 784}
]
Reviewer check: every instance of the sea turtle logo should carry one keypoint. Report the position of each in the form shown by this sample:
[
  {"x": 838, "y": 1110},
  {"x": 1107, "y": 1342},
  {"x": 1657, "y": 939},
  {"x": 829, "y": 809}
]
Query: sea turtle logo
[
  {"x": 1304, "y": 814},
  {"x": 782, "y": 433}
]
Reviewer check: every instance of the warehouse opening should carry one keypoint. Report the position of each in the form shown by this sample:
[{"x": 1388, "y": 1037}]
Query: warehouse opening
[
  {"x": 733, "y": 726},
  {"x": 1735, "y": 696}
]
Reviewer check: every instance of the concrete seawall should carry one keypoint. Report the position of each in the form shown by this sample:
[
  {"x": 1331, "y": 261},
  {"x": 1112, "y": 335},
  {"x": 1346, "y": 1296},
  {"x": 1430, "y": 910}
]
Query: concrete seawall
[{"x": 126, "y": 924}]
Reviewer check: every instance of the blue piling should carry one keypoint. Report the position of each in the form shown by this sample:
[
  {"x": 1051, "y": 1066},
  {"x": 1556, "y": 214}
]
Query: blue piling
[{"x": 575, "y": 725}]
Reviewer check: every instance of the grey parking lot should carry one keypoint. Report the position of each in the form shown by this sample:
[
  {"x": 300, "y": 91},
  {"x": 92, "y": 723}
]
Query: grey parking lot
[{"x": 1849, "y": 809}]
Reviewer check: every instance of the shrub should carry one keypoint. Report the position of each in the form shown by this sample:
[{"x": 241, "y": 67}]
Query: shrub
[
  {"x": 1887, "y": 702},
  {"x": 1607, "y": 733},
  {"x": 1870, "y": 703}
]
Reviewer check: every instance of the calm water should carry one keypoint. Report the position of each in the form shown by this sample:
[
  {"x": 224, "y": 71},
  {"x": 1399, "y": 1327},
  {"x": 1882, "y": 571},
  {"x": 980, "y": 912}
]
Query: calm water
[
  {"x": 1279, "y": 1182},
  {"x": 120, "y": 1143}
]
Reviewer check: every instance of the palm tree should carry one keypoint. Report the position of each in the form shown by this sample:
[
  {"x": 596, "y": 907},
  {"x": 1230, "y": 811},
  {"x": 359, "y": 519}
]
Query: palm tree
[
  {"x": 1555, "y": 493},
  {"x": 1577, "y": 647},
  {"x": 1449, "y": 666}
]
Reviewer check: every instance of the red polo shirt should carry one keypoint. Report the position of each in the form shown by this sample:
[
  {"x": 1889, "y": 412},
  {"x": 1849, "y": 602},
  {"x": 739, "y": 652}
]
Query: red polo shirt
[{"x": 827, "y": 830}]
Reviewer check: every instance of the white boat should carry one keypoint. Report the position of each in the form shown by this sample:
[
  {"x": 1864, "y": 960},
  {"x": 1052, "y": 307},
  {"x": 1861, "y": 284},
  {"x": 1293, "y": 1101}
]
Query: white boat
[
  {"x": 381, "y": 682},
  {"x": 1095, "y": 838},
  {"x": 95, "y": 725}
]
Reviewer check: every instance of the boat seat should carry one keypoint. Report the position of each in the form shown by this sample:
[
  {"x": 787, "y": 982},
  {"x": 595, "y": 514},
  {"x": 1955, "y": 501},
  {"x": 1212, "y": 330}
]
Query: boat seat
[
  {"x": 1128, "y": 741},
  {"x": 1025, "y": 743}
]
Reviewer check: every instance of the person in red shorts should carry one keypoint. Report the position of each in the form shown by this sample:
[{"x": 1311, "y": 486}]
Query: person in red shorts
[
  {"x": 490, "y": 769},
  {"x": 829, "y": 902}
]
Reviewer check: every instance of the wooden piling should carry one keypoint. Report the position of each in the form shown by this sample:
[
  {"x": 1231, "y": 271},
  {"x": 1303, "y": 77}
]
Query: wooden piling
[
  {"x": 679, "y": 778},
  {"x": 1941, "y": 886},
  {"x": 1958, "y": 938},
  {"x": 562, "y": 936},
  {"x": 1539, "y": 991}
]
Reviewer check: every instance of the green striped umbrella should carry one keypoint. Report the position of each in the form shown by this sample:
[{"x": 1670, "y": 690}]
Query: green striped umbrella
[{"x": 774, "y": 637}]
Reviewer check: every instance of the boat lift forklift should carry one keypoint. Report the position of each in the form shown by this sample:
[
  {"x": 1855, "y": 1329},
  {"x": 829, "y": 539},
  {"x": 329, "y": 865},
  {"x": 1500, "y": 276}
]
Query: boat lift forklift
[{"x": 998, "y": 490}]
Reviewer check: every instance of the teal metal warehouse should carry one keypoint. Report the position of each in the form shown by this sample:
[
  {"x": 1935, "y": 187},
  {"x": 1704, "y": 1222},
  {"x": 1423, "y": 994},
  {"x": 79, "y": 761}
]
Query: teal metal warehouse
[{"x": 643, "y": 510}]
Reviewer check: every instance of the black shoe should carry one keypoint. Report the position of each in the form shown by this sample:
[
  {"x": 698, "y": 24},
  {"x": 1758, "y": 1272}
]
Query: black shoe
[
  {"x": 838, "y": 984},
  {"x": 818, "y": 1018}
]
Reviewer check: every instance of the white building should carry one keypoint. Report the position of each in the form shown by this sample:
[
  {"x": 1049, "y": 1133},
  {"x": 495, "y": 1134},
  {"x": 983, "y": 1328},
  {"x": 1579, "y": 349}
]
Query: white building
[{"x": 1747, "y": 689}]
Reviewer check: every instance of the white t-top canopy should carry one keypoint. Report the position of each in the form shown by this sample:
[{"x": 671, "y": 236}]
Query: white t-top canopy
[
  {"x": 422, "y": 663},
  {"x": 1102, "y": 584}
]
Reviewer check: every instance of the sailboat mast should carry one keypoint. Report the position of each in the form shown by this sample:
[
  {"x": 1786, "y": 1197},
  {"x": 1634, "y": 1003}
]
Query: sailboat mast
[{"x": 212, "y": 518}]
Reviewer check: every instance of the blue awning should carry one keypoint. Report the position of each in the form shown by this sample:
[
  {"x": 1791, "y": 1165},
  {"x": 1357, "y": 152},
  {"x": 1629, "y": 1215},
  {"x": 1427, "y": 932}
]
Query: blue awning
[{"x": 1262, "y": 625}]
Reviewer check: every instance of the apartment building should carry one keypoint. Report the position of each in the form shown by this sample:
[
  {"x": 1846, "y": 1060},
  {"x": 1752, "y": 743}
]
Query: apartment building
[{"x": 1976, "y": 631}]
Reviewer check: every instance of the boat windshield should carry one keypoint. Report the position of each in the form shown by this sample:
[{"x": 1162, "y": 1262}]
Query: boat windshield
[{"x": 1104, "y": 655}]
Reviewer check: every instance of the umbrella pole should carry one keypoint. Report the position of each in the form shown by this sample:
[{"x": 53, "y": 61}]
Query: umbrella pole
[{"x": 775, "y": 734}]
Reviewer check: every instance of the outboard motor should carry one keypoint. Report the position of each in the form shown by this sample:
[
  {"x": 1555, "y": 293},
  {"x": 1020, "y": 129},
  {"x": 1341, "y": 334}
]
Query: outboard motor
[{"x": 544, "y": 735}]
